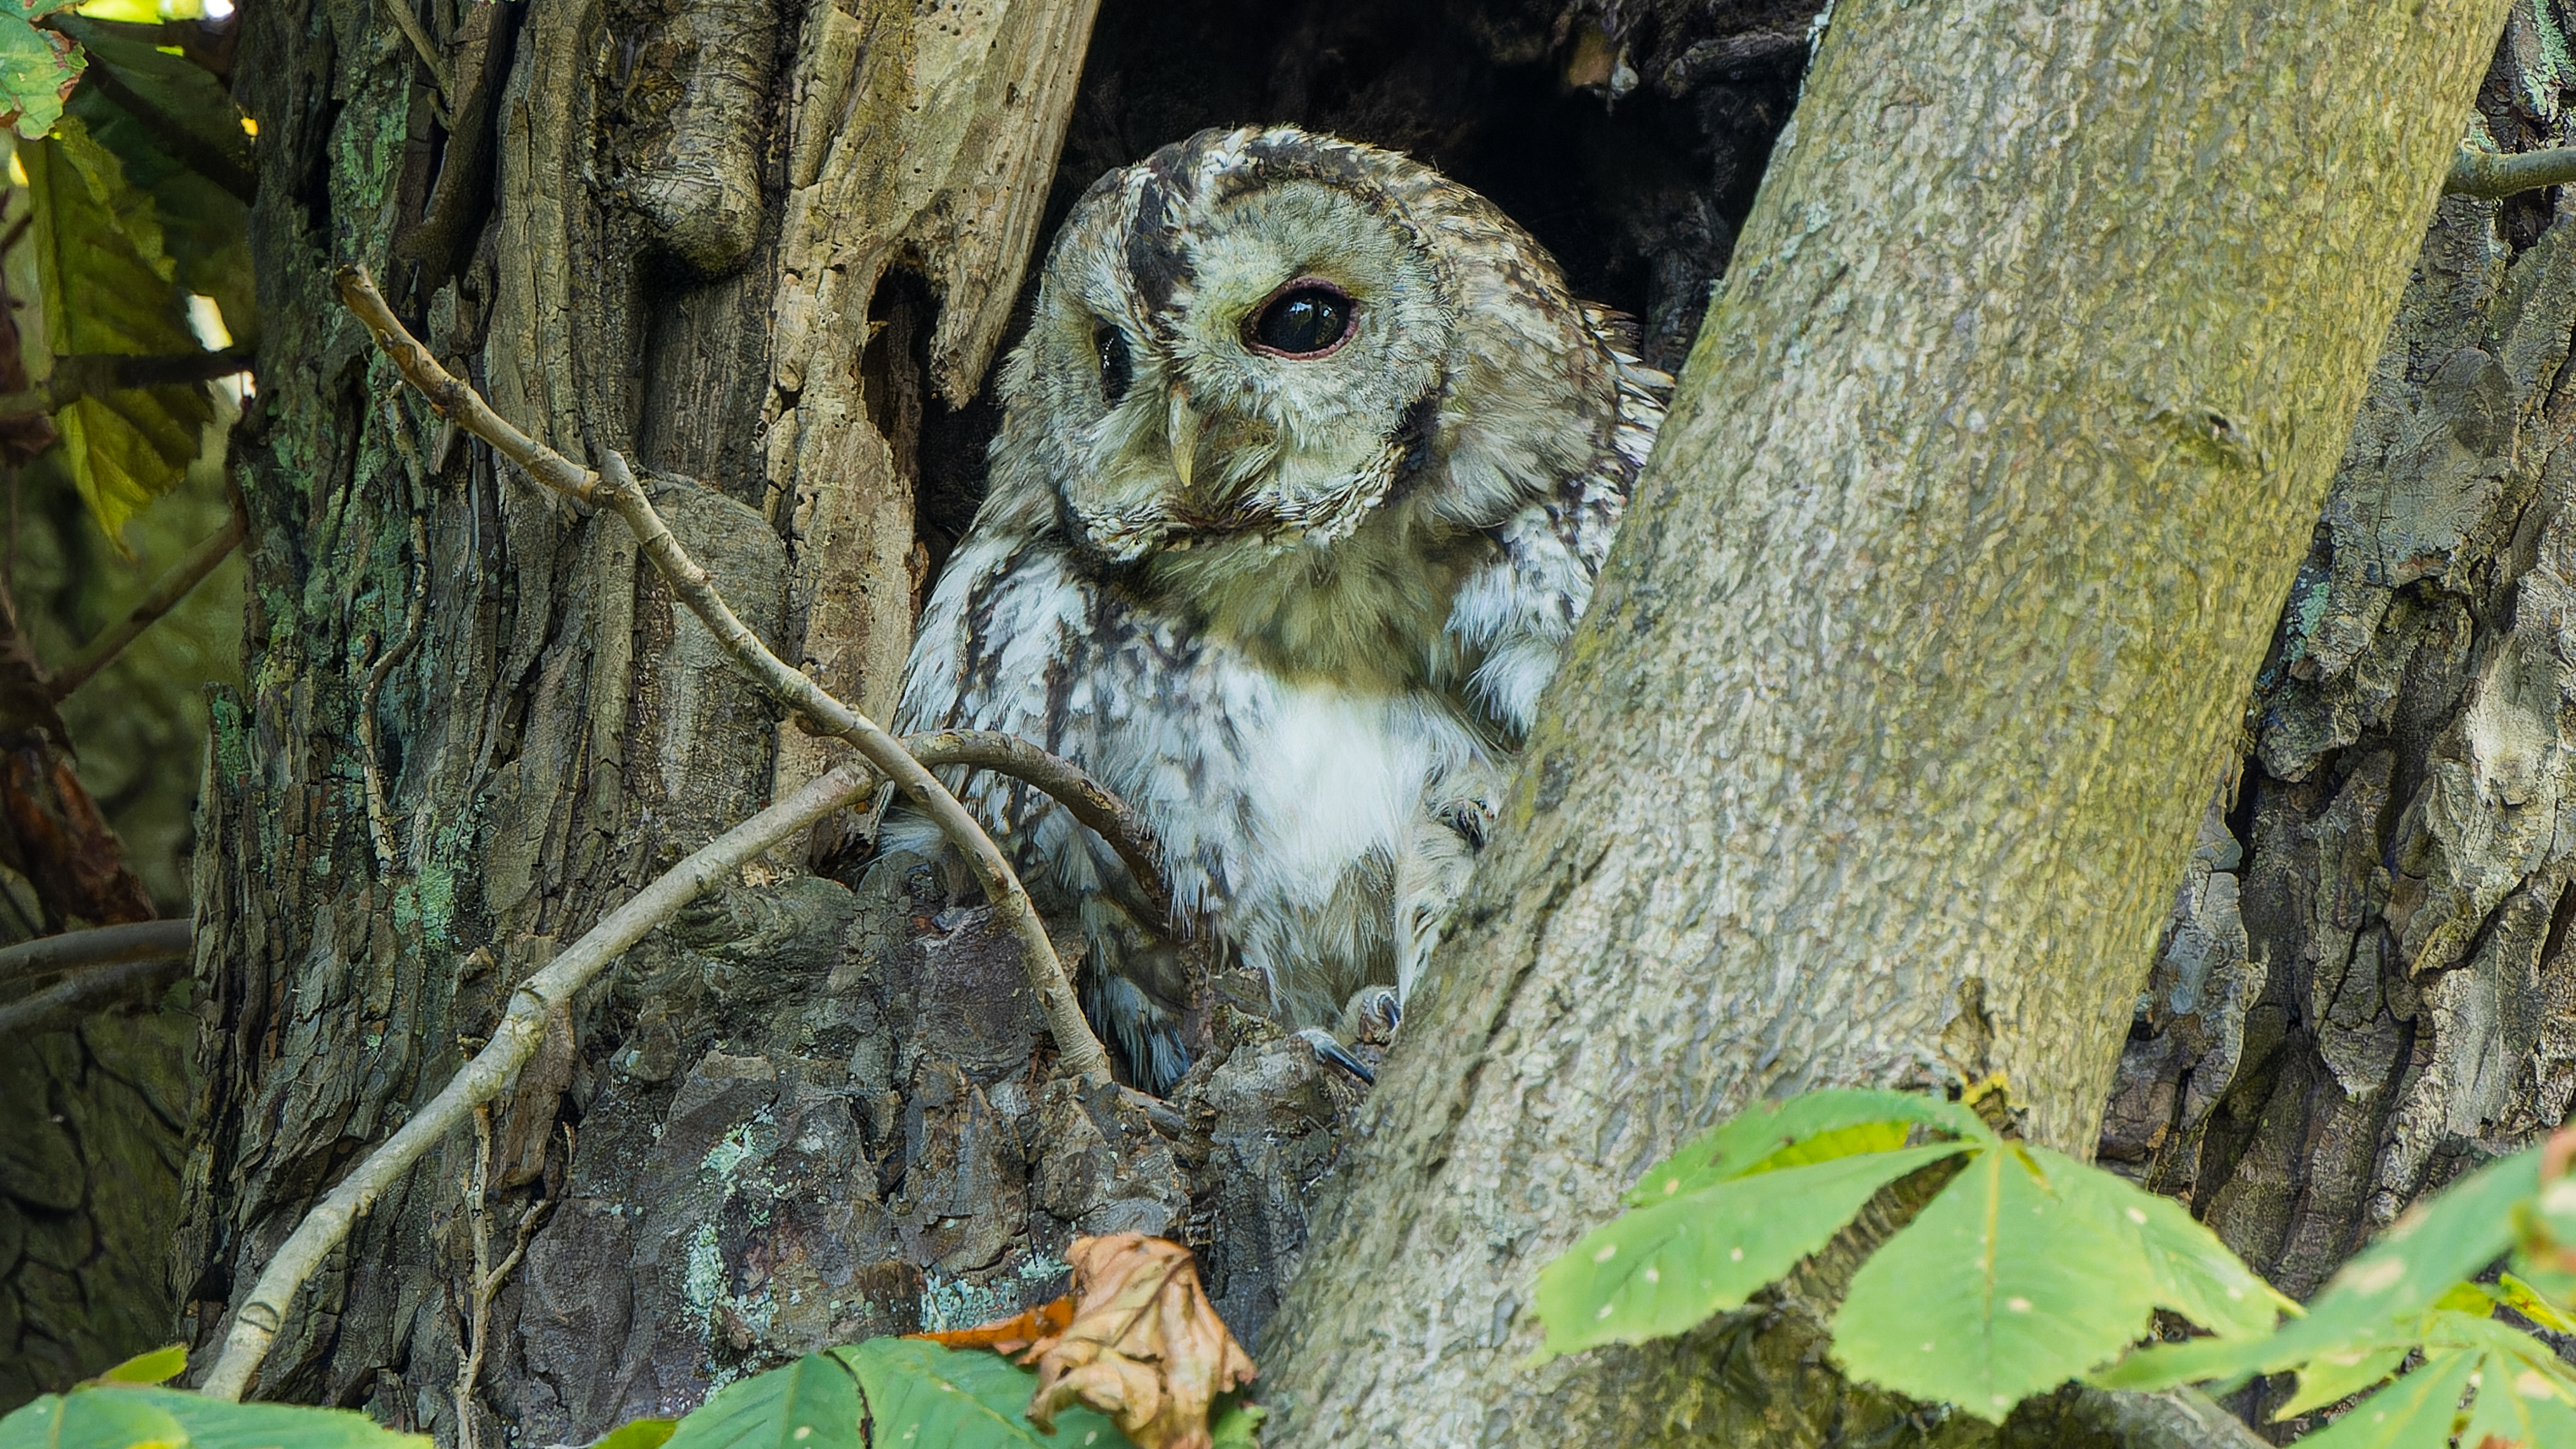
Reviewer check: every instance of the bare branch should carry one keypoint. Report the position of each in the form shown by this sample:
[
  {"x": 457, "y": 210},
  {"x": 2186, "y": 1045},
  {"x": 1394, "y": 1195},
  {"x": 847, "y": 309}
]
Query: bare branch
[
  {"x": 1084, "y": 798},
  {"x": 105, "y": 946},
  {"x": 514, "y": 1041},
  {"x": 2489, "y": 175},
  {"x": 1079, "y": 1050},
  {"x": 1076, "y": 1047},
  {"x": 73, "y": 1000},
  {"x": 181, "y": 580},
  {"x": 456, "y": 401},
  {"x": 90, "y": 374}
]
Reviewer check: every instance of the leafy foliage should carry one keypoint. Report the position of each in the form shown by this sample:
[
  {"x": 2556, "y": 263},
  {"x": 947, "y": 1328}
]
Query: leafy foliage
[
  {"x": 2025, "y": 1269},
  {"x": 124, "y": 1409},
  {"x": 107, "y": 285},
  {"x": 38, "y": 68}
]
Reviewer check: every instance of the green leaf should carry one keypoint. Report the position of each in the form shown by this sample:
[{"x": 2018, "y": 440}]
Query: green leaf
[
  {"x": 2195, "y": 1275},
  {"x": 105, "y": 285},
  {"x": 2416, "y": 1412},
  {"x": 159, "y": 1366},
  {"x": 205, "y": 225},
  {"x": 887, "y": 1391},
  {"x": 37, "y": 71},
  {"x": 1768, "y": 1131},
  {"x": 2531, "y": 1303},
  {"x": 2519, "y": 1407},
  {"x": 1998, "y": 1290},
  {"x": 2376, "y": 1300},
  {"x": 1235, "y": 1424},
  {"x": 919, "y": 1393},
  {"x": 638, "y": 1434},
  {"x": 223, "y": 1424},
  {"x": 92, "y": 1419},
  {"x": 2335, "y": 1377},
  {"x": 812, "y": 1403},
  {"x": 1668, "y": 1267}
]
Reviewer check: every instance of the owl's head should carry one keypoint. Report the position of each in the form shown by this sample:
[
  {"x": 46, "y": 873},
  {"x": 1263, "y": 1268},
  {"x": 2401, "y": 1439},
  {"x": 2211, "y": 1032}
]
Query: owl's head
[{"x": 1255, "y": 346}]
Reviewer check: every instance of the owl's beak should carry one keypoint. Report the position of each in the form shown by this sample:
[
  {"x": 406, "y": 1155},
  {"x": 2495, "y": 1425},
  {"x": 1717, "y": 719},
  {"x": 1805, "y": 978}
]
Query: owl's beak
[{"x": 1185, "y": 423}]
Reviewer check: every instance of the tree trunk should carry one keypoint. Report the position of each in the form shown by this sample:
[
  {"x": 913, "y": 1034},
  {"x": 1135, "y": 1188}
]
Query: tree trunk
[
  {"x": 1881, "y": 745},
  {"x": 768, "y": 251},
  {"x": 2366, "y": 987}
]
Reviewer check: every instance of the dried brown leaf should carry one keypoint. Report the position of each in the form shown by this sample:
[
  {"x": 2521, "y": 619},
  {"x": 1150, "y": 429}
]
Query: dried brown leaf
[
  {"x": 1145, "y": 1346},
  {"x": 1010, "y": 1335}
]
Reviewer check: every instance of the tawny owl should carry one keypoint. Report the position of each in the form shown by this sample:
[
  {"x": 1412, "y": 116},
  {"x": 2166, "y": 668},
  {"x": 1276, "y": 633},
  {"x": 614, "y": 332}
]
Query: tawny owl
[{"x": 1305, "y": 470}]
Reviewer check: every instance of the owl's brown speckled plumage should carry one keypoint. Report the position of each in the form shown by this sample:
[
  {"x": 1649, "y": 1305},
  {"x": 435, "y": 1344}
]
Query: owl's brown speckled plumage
[{"x": 1306, "y": 468}]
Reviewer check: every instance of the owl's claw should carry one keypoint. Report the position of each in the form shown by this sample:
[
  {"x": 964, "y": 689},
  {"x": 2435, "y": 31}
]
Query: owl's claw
[{"x": 1326, "y": 1049}]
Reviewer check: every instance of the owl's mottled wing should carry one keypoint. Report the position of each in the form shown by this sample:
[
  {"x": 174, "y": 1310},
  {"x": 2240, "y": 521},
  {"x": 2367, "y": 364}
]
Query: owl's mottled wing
[{"x": 1518, "y": 611}]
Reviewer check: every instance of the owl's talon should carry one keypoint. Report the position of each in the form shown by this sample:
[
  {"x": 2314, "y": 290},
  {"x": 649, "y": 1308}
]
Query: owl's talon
[
  {"x": 1371, "y": 1015},
  {"x": 1328, "y": 1050}
]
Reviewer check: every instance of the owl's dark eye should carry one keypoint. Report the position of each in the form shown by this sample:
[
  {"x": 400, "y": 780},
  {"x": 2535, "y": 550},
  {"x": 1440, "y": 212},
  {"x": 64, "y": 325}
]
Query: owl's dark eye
[
  {"x": 1117, "y": 370},
  {"x": 1307, "y": 318}
]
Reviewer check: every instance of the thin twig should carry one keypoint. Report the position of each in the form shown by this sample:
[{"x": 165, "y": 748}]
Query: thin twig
[
  {"x": 104, "y": 946},
  {"x": 493, "y": 1068},
  {"x": 2490, "y": 175},
  {"x": 1075, "y": 1046},
  {"x": 453, "y": 399},
  {"x": 380, "y": 821},
  {"x": 478, "y": 1305},
  {"x": 94, "y": 374},
  {"x": 1078, "y": 1050},
  {"x": 181, "y": 580},
  {"x": 74, "y": 1000},
  {"x": 1084, "y": 798}
]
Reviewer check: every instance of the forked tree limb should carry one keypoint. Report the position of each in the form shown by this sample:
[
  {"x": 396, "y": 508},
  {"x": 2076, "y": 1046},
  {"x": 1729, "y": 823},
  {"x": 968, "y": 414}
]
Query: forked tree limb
[
  {"x": 514, "y": 1041},
  {"x": 1074, "y": 1043},
  {"x": 1076, "y": 1047}
]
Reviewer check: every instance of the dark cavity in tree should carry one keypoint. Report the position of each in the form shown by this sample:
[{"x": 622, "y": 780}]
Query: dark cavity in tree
[{"x": 1627, "y": 137}]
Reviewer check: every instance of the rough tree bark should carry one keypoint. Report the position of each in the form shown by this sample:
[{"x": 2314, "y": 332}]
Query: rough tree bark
[
  {"x": 2366, "y": 987},
  {"x": 1881, "y": 745},
  {"x": 753, "y": 249}
]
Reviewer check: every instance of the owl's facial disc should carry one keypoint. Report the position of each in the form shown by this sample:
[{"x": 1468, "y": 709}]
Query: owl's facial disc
[{"x": 1249, "y": 358}]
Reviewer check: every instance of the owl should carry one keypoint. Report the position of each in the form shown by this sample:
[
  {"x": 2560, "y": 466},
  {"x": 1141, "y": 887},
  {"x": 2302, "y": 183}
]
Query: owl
[{"x": 1306, "y": 467}]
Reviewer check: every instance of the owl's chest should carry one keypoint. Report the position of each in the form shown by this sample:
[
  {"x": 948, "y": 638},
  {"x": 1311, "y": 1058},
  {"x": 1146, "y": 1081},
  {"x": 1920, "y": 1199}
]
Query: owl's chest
[{"x": 1277, "y": 789}]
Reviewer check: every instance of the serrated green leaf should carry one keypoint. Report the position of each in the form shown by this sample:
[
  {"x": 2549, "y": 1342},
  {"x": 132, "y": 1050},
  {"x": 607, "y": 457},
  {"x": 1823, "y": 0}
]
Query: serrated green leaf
[
  {"x": 1767, "y": 1131},
  {"x": 105, "y": 285},
  {"x": 205, "y": 225},
  {"x": 1670, "y": 1266},
  {"x": 159, "y": 1366},
  {"x": 1999, "y": 1289},
  {"x": 2378, "y": 1297},
  {"x": 920, "y": 1393},
  {"x": 2518, "y": 1407},
  {"x": 638, "y": 1434},
  {"x": 2416, "y": 1412},
  {"x": 223, "y": 1424},
  {"x": 2195, "y": 1274},
  {"x": 2338, "y": 1376},
  {"x": 37, "y": 72},
  {"x": 812, "y": 1403}
]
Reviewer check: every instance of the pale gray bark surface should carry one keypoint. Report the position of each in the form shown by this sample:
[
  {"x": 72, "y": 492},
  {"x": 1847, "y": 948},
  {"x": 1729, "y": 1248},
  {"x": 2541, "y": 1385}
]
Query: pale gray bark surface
[{"x": 1881, "y": 746}]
